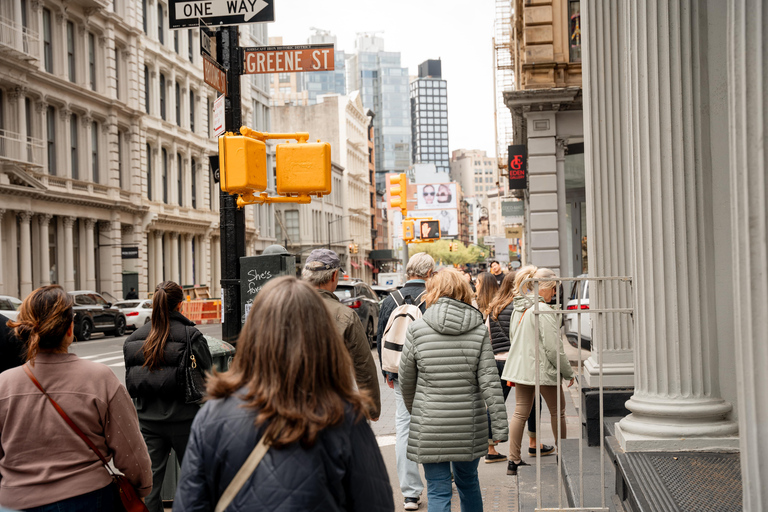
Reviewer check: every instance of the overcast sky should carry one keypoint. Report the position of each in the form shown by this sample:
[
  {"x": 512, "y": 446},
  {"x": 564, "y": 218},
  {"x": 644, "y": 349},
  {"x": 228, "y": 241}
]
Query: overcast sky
[{"x": 458, "y": 32}]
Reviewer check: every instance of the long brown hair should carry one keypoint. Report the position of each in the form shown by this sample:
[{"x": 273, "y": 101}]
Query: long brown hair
[
  {"x": 448, "y": 282},
  {"x": 44, "y": 319},
  {"x": 504, "y": 297},
  {"x": 487, "y": 287},
  {"x": 166, "y": 299},
  {"x": 297, "y": 372}
]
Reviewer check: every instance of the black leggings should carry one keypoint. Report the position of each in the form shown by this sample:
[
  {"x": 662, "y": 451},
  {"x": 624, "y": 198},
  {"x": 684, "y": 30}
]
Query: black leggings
[{"x": 505, "y": 389}]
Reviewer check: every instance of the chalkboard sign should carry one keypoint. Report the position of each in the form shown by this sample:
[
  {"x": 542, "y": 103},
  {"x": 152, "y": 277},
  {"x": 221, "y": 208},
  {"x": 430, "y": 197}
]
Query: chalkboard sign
[{"x": 256, "y": 271}]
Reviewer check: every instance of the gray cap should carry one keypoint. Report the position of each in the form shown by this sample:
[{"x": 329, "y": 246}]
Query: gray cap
[{"x": 323, "y": 259}]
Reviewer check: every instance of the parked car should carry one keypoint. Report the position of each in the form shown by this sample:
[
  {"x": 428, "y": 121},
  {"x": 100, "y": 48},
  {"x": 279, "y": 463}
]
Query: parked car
[
  {"x": 360, "y": 297},
  {"x": 9, "y": 306},
  {"x": 94, "y": 314},
  {"x": 579, "y": 298},
  {"x": 137, "y": 312},
  {"x": 383, "y": 291}
]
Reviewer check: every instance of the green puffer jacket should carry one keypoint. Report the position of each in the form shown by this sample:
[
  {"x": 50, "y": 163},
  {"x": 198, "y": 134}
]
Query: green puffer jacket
[
  {"x": 447, "y": 377},
  {"x": 521, "y": 360}
]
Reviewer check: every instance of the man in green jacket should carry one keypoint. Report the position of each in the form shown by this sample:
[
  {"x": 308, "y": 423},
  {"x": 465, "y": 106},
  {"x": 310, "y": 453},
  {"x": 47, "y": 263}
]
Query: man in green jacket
[{"x": 322, "y": 270}]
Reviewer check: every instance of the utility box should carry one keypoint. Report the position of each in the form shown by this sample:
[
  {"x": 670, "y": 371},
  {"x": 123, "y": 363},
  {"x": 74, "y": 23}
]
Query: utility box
[
  {"x": 390, "y": 279},
  {"x": 255, "y": 271}
]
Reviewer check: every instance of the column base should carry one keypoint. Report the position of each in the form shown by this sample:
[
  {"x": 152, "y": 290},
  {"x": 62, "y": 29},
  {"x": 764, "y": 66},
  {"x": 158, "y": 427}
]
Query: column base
[
  {"x": 643, "y": 443},
  {"x": 618, "y": 374}
]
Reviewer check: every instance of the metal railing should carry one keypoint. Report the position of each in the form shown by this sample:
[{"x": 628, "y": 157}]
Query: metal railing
[
  {"x": 20, "y": 148},
  {"x": 19, "y": 38},
  {"x": 598, "y": 335}
]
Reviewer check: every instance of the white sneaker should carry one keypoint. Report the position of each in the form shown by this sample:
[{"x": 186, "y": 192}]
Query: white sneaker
[{"x": 412, "y": 503}]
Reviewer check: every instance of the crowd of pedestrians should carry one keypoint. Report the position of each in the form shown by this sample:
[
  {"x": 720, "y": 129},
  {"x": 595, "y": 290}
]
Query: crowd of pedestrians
[{"x": 287, "y": 426}]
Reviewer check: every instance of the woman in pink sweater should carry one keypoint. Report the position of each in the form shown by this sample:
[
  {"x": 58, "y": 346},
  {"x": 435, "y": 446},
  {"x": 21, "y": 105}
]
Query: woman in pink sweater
[{"x": 44, "y": 464}]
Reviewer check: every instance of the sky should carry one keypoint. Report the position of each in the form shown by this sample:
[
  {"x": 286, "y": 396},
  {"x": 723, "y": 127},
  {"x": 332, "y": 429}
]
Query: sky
[{"x": 457, "y": 32}]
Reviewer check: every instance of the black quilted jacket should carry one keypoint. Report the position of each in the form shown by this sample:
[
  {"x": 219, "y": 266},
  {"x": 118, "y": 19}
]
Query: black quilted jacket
[
  {"x": 343, "y": 471},
  {"x": 500, "y": 330}
]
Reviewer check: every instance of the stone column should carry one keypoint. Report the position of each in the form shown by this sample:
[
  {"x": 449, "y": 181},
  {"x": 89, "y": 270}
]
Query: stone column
[
  {"x": 173, "y": 237},
  {"x": 747, "y": 77},
  {"x": 159, "y": 275},
  {"x": 69, "y": 251},
  {"x": 677, "y": 403},
  {"x": 216, "y": 267},
  {"x": 45, "y": 260},
  {"x": 107, "y": 256},
  {"x": 189, "y": 276},
  {"x": 90, "y": 256},
  {"x": 201, "y": 256},
  {"x": 25, "y": 255},
  {"x": 608, "y": 181}
]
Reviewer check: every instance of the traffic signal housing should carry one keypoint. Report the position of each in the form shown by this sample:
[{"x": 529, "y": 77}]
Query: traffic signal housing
[
  {"x": 242, "y": 164},
  {"x": 303, "y": 169},
  {"x": 429, "y": 230},
  {"x": 408, "y": 230},
  {"x": 398, "y": 193}
]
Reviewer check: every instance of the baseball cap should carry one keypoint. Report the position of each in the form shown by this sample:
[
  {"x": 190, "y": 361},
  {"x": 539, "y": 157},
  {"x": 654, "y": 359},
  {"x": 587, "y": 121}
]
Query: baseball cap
[{"x": 323, "y": 259}]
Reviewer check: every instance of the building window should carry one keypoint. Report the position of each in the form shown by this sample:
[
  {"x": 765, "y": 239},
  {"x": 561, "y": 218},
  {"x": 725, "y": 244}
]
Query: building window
[
  {"x": 71, "y": 51},
  {"x": 284, "y": 77},
  {"x": 160, "y": 29},
  {"x": 193, "y": 182},
  {"x": 120, "y": 169},
  {"x": 178, "y": 104},
  {"x": 117, "y": 73},
  {"x": 146, "y": 89},
  {"x": 47, "y": 41},
  {"x": 176, "y": 41},
  {"x": 51, "y": 133},
  {"x": 192, "y": 110},
  {"x": 74, "y": 143},
  {"x": 191, "y": 44},
  {"x": 95, "y": 151},
  {"x": 162, "y": 96},
  {"x": 149, "y": 172},
  {"x": 574, "y": 30},
  {"x": 92, "y": 60},
  {"x": 144, "y": 15},
  {"x": 180, "y": 172},
  {"x": 165, "y": 176}
]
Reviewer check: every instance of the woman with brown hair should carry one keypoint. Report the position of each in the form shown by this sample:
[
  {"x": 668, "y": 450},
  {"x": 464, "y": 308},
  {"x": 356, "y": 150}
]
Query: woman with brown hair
[
  {"x": 44, "y": 464},
  {"x": 447, "y": 365},
  {"x": 291, "y": 387},
  {"x": 156, "y": 357},
  {"x": 486, "y": 289}
]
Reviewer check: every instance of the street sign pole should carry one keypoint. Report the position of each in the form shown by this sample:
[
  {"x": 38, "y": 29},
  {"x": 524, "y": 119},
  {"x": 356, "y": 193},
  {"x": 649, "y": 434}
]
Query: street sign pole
[{"x": 232, "y": 219}]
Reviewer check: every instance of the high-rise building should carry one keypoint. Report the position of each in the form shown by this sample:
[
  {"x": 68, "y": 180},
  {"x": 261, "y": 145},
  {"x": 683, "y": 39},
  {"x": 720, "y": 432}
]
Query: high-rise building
[
  {"x": 429, "y": 117},
  {"x": 383, "y": 84}
]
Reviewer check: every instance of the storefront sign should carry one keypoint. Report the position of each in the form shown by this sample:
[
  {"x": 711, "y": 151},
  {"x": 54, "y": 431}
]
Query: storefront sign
[
  {"x": 129, "y": 253},
  {"x": 517, "y": 166}
]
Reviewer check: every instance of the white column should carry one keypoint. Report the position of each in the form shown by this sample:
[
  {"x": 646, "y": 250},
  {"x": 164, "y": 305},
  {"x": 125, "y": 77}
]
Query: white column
[
  {"x": 45, "y": 260},
  {"x": 174, "y": 252},
  {"x": 189, "y": 276},
  {"x": 159, "y": 275},
  {"x": 747, "y": 78},
  {"x": 25, "y": 256},
  {"x": 216, "y": 267},
  {"x": 90, "y": 256},
  {"x": 109, "y": 237},
  {"x": 677, "y": 403},
  {"x": 201, "y": 255},
  {"x": 608, "y": 198},
  {"x": 69, "y": 251}
]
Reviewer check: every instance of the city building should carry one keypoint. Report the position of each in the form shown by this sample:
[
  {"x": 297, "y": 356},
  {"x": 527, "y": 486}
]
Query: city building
[
  {"x": 105, "y": 133},
  {"x": 383, "y": 85},
  {"x": 429, "y": 117}
]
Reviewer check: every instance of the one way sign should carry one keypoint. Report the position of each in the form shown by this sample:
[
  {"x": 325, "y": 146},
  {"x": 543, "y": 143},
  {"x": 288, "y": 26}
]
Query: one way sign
[{"x": 188, "y": 13}]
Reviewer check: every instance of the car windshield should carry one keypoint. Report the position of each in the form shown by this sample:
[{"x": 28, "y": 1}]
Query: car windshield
[
  {"x": 343, "y": 293},
  {"x": 9, "y": 305},
  {"x": 126, "y": 305}
]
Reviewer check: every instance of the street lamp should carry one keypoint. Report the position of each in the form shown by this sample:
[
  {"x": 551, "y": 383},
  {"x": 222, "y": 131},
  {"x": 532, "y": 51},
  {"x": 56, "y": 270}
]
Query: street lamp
[{"x": 337, "y": 220}]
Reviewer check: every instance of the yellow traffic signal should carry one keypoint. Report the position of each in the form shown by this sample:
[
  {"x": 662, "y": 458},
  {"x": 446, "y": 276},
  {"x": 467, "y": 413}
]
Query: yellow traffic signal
[
  {"x": 303, "y": 168},
  {"x": 242, "y": 164},
  {"x": 429, "y": 230},
  {"x": 408, "y": 230},
  {"x": 398, "y": 193}
]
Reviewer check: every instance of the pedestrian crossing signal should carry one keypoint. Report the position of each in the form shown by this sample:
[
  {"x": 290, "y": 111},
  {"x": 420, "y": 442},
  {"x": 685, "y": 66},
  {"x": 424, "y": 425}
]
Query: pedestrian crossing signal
[{"x": 429, "y": 230}]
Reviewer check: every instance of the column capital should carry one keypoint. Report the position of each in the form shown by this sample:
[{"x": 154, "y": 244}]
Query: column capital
[
  {"x": 89, "y": 223},
  {"x": 44, "y": 218},
  {"x": 2, "y": 212},
  {"x": 69, "y": 221},
  {"x": 65, "y": 114},
  {"x": 86, "y": 120},
  {"x": 174, "y": 235},
  {"x": 25, "y": 216},
  {"x": 41, "y": 107},
  {"x": 15, "y": 93},
  {"x": 105, "y": 225},
  {"x": 127, "y": 229},
  {"x": 36, "y": 5}
]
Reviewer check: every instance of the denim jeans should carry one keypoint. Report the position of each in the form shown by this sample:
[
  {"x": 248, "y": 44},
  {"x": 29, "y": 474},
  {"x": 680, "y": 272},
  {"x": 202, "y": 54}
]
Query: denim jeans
[
  {"x": 407, "y": 471},
  {"x": 100, "y": 500},
  {"x": 439, "y": 486}
]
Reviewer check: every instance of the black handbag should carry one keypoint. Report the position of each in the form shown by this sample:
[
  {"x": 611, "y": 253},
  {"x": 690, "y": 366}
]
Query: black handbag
[{"x": 194, "y": 379}]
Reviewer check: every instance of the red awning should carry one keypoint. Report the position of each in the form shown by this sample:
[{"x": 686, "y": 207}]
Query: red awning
[
  {"x": 355, "y": 265},
  {"x": 368, "y": 264}
]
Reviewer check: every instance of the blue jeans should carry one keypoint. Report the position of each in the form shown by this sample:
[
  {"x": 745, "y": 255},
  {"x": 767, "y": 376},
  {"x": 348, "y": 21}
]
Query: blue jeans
[
  {"x": 407, "y": 470},
  {"x": 101, "y": 500},
  {"x": 439, "y": 486}
]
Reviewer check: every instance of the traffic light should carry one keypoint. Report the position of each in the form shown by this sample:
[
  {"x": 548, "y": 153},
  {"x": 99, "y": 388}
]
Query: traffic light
[
  {"x": 408, "y": 230},
  {"x": 242, "y": 164},
  {"x": 398, "y": 193},
  {"x": 303, "y": 168},
  {"x": 429, "y": 230}
]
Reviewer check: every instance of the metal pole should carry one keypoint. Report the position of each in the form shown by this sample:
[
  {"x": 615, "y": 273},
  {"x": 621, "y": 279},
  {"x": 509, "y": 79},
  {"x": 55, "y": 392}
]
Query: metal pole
[
  {"x": 329, "y": 234},
  {"x": 232, "y": 219},
  {"x": 405, "y": 257}
]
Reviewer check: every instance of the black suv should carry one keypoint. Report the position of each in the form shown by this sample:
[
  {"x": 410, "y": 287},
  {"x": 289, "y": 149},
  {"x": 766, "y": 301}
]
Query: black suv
[
  {"x": 360, "y": 297},
  {"x": 94, "y": 314}
]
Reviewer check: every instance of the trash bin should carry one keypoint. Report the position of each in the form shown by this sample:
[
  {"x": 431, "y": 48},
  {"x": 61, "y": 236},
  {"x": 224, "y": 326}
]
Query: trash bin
[{"x": 222, "y": 354}]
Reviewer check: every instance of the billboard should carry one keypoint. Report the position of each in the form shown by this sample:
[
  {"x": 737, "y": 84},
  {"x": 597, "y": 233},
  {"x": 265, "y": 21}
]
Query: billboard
[{"x": 436, "y": 195}]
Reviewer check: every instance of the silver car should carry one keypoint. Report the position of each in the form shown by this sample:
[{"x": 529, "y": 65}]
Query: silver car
[{"x": 137, "y": 312}]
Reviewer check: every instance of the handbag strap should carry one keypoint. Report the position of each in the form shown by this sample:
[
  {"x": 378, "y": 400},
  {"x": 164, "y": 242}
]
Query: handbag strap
[
  {"x": 67, "y": 419},
  {"x": 242, "y": 475}
]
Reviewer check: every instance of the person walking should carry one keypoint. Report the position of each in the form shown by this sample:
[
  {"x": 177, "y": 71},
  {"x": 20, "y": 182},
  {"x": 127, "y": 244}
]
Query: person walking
[
  {"x": 447, "y": 365},
  {"x": 12, "y": 349},
  {"x": 520, "y": 367},
  {"x": 133, "y": 294},
  {"x": 44, "y": 464},
  {"x": 497, "y": 272},
  {"x": 485, "y": 291},
  {"x": 292, "y": 387},
  {"x": 154, "y": 375},
  {"x": 419, "y": 268},
  {"x": 323, "y": 270}
]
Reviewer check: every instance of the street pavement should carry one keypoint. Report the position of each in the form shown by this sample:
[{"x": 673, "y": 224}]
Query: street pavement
[{"x": 501, "y": 493}]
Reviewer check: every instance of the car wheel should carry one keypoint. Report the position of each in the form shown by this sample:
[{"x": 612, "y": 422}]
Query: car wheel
[
  {"x": 119, "y": 327},
  {"x": 84, "y": 332},
  {"x": 369, "y": 332}
]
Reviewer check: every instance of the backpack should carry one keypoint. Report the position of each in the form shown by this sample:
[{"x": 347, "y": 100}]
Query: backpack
[{"x": 406, "y": 312}]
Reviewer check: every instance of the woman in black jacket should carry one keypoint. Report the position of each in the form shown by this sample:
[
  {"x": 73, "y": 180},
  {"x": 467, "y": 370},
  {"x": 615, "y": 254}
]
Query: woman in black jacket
[
  {"x": 291, "y": 385},
  {"x": 154, "y": 375}
]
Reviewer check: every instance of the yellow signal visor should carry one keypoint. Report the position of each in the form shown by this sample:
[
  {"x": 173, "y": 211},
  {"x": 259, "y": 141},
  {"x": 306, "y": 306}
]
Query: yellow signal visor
[
  {"x": 304, "y": 168},
  {"x": 242, "y": 164}
]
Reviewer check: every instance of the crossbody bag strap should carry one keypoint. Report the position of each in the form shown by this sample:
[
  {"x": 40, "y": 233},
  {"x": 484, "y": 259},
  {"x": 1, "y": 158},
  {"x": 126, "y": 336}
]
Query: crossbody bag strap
[
  {"x": 242, "y": 475},
  {"x": 67, "y": 419}
]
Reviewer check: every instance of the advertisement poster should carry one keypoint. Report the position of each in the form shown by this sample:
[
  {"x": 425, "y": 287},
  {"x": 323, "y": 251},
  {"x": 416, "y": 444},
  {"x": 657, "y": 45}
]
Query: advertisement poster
[{"x": 436, "y": 195}]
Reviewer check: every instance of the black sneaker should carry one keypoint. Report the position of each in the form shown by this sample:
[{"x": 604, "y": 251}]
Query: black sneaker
[
  {"x": 495, "y": 457},
  {"x": 411, "y": 504},
  {"x": 512, "y": 467},
  {"x": 545, "y": 450}
]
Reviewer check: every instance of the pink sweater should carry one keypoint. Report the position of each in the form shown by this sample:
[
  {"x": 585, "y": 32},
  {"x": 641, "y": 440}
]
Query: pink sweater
[{"x": 42, "y": 460}]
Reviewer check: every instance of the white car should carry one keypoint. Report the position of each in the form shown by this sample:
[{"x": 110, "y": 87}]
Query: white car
[
  {"x": 579, "y": 299},
  {"x": 9, "y": 306},
  {"x": 137, "y": 312}
]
